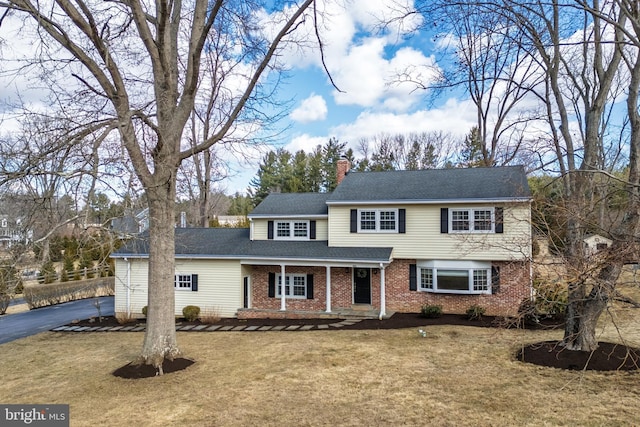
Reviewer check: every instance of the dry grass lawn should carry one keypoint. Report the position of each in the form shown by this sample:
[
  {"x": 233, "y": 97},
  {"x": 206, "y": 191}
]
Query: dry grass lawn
[{"x": 456, "y": 376}]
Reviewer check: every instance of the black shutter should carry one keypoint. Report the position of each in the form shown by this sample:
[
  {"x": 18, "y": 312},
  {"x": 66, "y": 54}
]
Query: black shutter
[
  {"x": 413, "y": 277},
  {"x": 354, "y": 220},
  {"x": 270, "y": 230},
  {"x": 444, "y": 220},
  {"x": 309, "y": 286},
  {"x": 402, "y": 220},
  {"x": 194, "y": 283},
  {"x": 499, "y": 220},
  {"x": 495, "y": 279},
  {"x": 312, "y": 230},
  {"x": 272, "y": 285}
]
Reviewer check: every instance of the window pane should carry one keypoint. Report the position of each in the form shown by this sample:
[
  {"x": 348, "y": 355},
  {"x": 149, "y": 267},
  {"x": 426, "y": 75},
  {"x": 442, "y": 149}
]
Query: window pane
[
  {"x": 387, "y": 220},
  {"x": 300, "y": 229},
  {"x": 480, "y": 280},
  {"x": 482, "y": 220},
  {"x": 299, "y": 286},
  {"x": 182, "y": 281},
  {"x": 460, "y": 220},
  {"x": 367, "y": 220},
  {"x": 426, "y": 278},
  {"x": 283, "y": 229},
  {"x": 453, "y": 280}
]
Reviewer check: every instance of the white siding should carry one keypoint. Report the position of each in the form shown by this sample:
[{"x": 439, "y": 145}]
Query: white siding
[
  {"x": 260, "y": 228},
  {"x": 219, "y": 286},
  {"x": 423, "y": 239}
]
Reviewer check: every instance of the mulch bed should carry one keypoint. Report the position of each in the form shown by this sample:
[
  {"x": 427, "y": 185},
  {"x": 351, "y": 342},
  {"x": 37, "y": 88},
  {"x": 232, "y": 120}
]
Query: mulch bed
[
  {"x": 397, "y": 321},
  {"x": 134, "y": 371},
  {"x": 608, "y": 357}
]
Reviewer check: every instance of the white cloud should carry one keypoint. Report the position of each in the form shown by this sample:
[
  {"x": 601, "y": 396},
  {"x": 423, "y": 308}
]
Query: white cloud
[
  {"x": 305, "y": 142},
  {"x": 312, "y": 109},
  {"x": 454, "y": 117}
]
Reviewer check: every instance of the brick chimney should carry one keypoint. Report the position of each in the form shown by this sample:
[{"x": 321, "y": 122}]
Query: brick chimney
[{"x": 343, "y": 167}]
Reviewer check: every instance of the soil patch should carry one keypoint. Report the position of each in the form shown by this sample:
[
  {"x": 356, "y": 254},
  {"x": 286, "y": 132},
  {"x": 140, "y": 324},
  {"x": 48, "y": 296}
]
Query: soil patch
[
  {"x": 136, "y": 371},
  {"x": 607, "y": 357}
]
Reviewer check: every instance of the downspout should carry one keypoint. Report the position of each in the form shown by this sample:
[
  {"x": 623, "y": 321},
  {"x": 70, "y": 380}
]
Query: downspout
[
  {"x": 283, "y": 289},
  {"x": 383, "y": 299},
  {"x": 328, "y": 289},
  {"x": 128, "y": 287}
]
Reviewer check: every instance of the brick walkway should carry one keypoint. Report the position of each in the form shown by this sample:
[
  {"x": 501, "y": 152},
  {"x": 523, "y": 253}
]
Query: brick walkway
[{"x": 208, "y": 328}]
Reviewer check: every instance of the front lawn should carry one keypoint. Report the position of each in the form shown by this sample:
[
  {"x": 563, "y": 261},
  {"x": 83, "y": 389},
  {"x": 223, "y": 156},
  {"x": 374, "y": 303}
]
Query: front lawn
[{"x": 456, "y": 375}]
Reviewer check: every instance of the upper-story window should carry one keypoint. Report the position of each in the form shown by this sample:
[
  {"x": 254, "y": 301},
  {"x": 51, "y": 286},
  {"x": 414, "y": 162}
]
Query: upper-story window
[
  {"x": 378, "y": 220},
  {"x": 471, "y": 220},
  {"x": 297, "y": 230},
  {"x": 4, "y": 223}
]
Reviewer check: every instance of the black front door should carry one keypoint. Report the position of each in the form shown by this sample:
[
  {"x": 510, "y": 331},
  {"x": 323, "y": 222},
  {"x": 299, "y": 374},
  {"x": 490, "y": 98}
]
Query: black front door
[{"x": 362, "y": 282}]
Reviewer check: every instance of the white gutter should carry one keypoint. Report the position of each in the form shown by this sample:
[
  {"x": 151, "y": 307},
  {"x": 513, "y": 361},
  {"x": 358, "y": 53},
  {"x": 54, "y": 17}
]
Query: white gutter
[{"x": 427, "y": 201}]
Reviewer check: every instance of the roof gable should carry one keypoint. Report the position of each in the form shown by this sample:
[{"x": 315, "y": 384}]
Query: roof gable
[{"x": 292, "y": 204}]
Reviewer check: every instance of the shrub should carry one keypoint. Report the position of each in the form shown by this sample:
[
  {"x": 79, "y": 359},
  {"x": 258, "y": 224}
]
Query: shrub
[
  {"x": 191, "y": 312},
  {"x": 123, "y": 317},
  {"x": 550, "y": 298},
  {"x": 475, "y": 312},
  {"x": 431, "y": 311},
  {"x": 5, "y": 299},
  {"x": 144, "y": 311},
  {"x": 55, "y": 293},
  {"x": 209, "y": 316}
]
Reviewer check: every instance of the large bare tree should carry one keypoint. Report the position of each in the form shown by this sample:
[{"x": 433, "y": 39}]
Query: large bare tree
[
  {"x": 578, "y": 50},
  {"x": 139, "y": 65}
]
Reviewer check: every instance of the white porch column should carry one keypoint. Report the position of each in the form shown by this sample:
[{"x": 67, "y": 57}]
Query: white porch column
[
  {"x": 328, "y": 289},
  {"x": 383, "y": 299},
  {"x": 283, "y": 289}
]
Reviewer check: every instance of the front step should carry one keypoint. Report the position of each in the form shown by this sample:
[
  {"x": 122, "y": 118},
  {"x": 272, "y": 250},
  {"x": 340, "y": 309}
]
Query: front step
[{"x": 362, "y": 307}]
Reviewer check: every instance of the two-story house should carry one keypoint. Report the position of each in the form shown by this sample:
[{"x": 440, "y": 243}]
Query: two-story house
[{"x": 383, "y": 241}]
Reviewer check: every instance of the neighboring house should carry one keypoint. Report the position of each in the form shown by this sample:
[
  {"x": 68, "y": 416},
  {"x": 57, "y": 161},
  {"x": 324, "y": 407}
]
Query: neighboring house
[
  {"x": 131, "y": 224},
  {"x": 595, "y": 243},
  {"x": 383, "y": 241},
  {"x": 12, "y": 231}
]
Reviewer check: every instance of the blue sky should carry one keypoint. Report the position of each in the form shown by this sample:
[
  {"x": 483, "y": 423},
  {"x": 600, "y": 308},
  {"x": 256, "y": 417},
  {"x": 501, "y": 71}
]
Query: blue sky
[{"x": 364, "y": 64}]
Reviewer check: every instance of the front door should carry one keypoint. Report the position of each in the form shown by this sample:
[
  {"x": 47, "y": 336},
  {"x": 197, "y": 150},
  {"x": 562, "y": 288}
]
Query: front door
[{"x": 362, "y": 285}]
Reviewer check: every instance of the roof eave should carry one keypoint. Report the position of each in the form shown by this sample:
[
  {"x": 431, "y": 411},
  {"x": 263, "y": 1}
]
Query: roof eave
[{"x": 430, "y": 201}]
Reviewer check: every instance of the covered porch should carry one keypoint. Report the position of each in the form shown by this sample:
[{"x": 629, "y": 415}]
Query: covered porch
[{"x": 353, "y": 287}]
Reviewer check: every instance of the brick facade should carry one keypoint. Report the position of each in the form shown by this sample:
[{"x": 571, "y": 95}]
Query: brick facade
[{"x": 514, "y": 287}]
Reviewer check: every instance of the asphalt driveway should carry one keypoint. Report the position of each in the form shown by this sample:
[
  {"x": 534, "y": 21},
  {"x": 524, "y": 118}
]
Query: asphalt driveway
[{"x": 21, "y": 325}]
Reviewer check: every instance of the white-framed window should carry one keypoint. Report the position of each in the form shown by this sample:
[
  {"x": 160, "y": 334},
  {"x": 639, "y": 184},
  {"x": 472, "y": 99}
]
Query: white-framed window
[
  {"x": 295, "y": 286},
  {"x": 457, "y": 277},
  {"x": 4, "y": 223},
  {"x": 378, "y": 220},
  {"x": 294, "y": 230},
  {"x": 183, "y": 282},
  {"x": 472, "y": 220}
]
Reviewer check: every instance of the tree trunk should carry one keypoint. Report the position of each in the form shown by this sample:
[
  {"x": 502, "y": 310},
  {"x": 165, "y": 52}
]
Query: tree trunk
[
  {"x": 582, "y": 318},
  {"x": 160, "y": 335}
]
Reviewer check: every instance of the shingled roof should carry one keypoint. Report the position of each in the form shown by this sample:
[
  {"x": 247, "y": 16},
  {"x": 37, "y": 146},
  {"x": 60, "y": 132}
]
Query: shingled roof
[
  {"x": 234, "y": 243},
  {"x": 292, "y": 204},
  {"x": 433, "y": 185}
]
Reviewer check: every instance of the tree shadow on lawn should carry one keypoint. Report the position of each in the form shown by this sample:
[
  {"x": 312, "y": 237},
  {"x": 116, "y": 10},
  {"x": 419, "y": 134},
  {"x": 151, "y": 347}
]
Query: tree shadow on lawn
[{"x": 608, "y": 356}]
